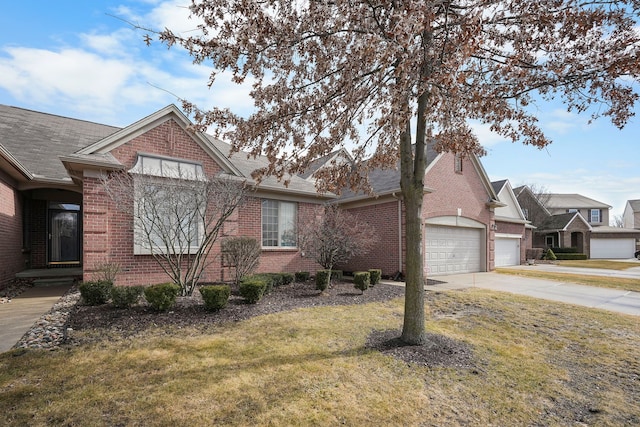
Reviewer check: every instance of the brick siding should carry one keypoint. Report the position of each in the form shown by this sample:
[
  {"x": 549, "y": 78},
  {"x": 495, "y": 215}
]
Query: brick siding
[{"x": 10, "y": 231}]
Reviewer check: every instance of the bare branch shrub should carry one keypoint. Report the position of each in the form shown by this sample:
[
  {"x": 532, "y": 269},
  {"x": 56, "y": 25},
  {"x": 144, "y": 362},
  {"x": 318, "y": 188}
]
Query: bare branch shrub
[{"x": 242, "y": 254}]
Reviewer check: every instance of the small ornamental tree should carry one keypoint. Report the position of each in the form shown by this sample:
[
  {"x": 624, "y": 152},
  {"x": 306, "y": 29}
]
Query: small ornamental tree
[
  {"x": 176, "y": 219},
  {"x": 334, "y": 237},
  {"x": 242, "y": 254}
]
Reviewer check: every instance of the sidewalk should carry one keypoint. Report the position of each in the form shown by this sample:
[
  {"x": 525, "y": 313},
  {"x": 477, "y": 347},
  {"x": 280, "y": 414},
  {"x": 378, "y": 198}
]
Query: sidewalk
[
  {"x": 17, "y": 316},
  {"x": 589, "y": 296}
]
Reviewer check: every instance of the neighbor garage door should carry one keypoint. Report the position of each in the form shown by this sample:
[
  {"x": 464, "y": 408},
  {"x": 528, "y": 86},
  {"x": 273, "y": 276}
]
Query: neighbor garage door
[
  {"x": 507, "y": 251},
  {"x": 612, "y": 248},
  {"x": 452, "y": 250}
]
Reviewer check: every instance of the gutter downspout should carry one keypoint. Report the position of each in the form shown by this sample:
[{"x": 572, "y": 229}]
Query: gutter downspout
[{"x": 399, "y": 231}]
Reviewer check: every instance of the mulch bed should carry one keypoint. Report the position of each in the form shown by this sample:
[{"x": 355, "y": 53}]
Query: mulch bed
[{"x": 106, "y": 320}]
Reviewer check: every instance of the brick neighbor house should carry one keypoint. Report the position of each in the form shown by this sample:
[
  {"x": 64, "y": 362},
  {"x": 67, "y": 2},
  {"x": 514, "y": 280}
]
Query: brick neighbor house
[
  {"x": 55, "y": 213},
  {"x": 576, "y": 221}
]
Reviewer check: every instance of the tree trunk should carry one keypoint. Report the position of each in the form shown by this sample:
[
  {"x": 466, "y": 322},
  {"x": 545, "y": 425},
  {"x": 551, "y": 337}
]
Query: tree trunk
[{"x": 412, "y": 169}]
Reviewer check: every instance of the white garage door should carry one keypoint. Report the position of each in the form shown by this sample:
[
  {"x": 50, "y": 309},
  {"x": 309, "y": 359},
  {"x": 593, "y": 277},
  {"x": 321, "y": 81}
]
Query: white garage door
[
  {"x": 612, "y": 248},
  {"x": 507, "y": 251},
  {"x": 452, "y": 250}
]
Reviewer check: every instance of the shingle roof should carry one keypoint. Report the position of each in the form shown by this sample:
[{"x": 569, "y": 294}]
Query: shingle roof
[
  {"x": 385, "y": 181},
  {"x": 572, "y": 201},
  {"x": 497, "y": 185},
  {"x": 37, "y": 139},
  {"x": 560, "y": 221},
  {"x": 247, "y": 164}
]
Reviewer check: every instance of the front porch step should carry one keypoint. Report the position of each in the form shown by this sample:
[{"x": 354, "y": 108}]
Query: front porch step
[{"x": 57, "y": 281}]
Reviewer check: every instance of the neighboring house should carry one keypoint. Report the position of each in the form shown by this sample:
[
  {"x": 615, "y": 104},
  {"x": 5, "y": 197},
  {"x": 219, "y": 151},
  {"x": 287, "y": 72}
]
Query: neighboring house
[
  {"x": 458, "y": 214},
  {"x": 572, "y": 220},
  {"x": 631, "y": 214},
  {"x": 54, "y": 212},
  {"x": 514, "y": 233}
]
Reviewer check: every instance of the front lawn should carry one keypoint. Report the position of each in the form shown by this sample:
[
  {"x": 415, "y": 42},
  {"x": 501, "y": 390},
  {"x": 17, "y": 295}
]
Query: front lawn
[
  {"x": 599, "y": 263},
  {"x": 530, "y": 362}
]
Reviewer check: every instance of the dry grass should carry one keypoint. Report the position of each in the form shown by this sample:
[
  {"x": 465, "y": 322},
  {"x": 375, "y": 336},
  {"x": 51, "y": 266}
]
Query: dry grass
[
  {"x": 537, "y": 363},
  {"x": 599, "y": 263},
  {"x": 581, "y": 279}
]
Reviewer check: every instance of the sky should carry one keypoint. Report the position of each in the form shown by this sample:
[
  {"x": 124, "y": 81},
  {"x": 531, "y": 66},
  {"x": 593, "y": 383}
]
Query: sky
[{"x": 82, "y": 59}]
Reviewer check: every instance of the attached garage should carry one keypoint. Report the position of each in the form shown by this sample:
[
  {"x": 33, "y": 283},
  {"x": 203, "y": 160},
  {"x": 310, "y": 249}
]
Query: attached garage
[
  {"x": 453, "y": 250},
  {"x": 507, "y": 250},
  {"x": 620, "y": 248}
]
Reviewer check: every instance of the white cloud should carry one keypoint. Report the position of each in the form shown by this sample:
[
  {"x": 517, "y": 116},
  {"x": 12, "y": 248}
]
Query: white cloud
[{"x": 486, "y": 137}]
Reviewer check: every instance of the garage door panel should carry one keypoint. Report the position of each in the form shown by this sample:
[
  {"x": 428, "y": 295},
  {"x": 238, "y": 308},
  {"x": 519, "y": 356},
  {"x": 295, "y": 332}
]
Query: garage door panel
[
  {"x": 612, "y": 248},
  {"x": 507, "y": 251},
  {"x": 451, "y": 250}
]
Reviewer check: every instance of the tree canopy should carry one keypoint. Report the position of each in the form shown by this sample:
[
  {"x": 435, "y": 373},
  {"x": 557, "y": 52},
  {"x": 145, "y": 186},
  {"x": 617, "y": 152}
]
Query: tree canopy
[{"x": 389, "y": 75}]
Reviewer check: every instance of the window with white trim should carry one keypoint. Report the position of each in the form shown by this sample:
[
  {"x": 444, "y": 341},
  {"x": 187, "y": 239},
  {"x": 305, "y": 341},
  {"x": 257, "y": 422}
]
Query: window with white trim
[
  {"x": 278, "y": 223},
  {"x": 594, "y": 215},
  {"x": 169, "y": 203}
]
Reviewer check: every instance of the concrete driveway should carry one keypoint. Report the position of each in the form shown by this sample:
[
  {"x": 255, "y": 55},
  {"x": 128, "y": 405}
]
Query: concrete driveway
[{"x": 589, "y": 296}]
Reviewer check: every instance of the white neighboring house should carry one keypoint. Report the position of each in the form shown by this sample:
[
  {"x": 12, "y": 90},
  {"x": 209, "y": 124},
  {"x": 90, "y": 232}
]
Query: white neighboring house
[{"x": 513, "y": 233}]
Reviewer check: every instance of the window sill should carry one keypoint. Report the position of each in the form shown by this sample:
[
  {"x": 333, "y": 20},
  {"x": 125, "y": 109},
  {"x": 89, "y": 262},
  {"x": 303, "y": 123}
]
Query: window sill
[{"x": 279, "y": 249}]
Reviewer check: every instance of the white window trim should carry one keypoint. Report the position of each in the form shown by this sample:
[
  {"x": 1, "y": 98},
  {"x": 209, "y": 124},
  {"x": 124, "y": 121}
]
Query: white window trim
[
  {"x": 295, "y": 222},
  {"x": 591, "y": 211}
]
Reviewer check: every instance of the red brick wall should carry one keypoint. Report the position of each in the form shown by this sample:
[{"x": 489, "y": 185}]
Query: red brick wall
[
  {"x": 275, "y": 260},
  {"x": 12, "y": 260},
  {"x": 385, "y": 255},
  {"x": 38, "y": 233}
]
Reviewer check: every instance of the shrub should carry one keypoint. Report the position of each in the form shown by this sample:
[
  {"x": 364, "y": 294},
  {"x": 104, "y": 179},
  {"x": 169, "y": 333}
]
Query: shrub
[
  {"x": 253, "y": 290},
  {"x": 106, "y": 272},
  {"x": 361, "y": 280},
  {"x": 125, "y": 296},
  {"x": 570, "y": 250},
  {"x": 322, "y": 279},
  {"x": 96, "y": 292},
  {"x": 535, "y": 253},
  {"x": 302, "y": 276},
  {"x": 215, "y": 296},
  {"x": 267, "y": 278},
  {"x": 162, "y": 296},
  {"x": 375, "y": 276},
  {"x": 550, "y": 255},
  {"x": 287, "y": 278}
]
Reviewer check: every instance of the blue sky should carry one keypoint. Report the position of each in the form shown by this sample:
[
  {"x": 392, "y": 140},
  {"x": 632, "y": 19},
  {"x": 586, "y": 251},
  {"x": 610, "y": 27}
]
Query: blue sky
[{"x": 73, "y": 58}]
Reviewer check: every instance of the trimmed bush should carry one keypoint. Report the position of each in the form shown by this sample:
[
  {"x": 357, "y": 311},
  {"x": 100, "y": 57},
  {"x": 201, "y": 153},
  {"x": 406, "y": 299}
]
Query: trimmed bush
[
  {"x": 361, "y": 280},
  {"x": 161, "y": 297},
  {"x": 96, "y": 292},
  {"x": 570, "y": 250},
  {"x": 287, "y": 278},
  {"x": 322, "y": 280},
  {"x": 550, "y": 255},
  {"x": 267, "y": 278},
  {"x": 535, "y": 253},
  {"x": 215, "y": 296},
  {"x": 302, "y": 276},
  {"x": 375, "y": 276},
  {"x": 567, "y": 256},
  {"x": 253, "y": 290},
  {"x": 125, "y": 296}
]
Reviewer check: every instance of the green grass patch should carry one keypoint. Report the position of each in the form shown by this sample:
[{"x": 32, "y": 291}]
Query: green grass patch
[{"x": 537, "y": 363}]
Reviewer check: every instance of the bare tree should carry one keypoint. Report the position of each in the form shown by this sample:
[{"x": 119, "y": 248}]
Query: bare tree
[
  {"x": 617, "y": 221},
  {"x": 334, "y": 237},
  {"x": 242, "y": 254},
  {"x": 389, "y": 76},
  {"x": 176, "y": 220}
]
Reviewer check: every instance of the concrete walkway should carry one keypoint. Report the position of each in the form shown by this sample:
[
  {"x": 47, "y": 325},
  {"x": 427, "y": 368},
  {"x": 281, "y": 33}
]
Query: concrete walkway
[
  {"x": 19, "y": 315},
  {"x": 589, "y": 296}
]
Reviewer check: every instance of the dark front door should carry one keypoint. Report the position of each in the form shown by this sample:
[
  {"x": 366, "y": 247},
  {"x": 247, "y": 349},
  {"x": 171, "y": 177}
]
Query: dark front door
[{"x": 64, "y": 237}]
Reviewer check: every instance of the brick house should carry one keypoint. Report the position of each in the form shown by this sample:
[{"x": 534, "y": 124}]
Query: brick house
[
  {"x": 56, "y": 214},
  {"x": 575, "y": 221},
  {"x": 459, "y": 216}
]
